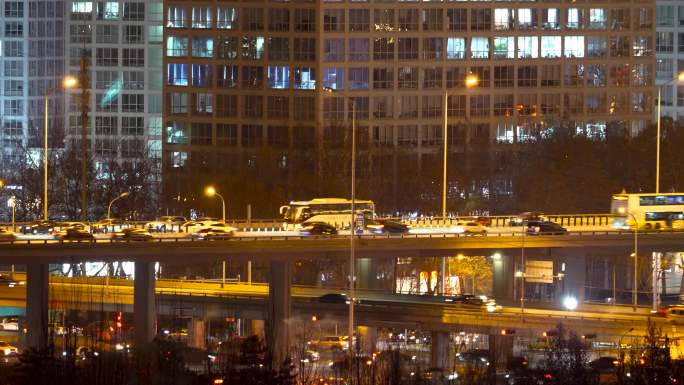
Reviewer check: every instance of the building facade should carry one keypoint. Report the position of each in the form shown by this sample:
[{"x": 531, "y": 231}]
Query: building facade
[
  {"x": 32, "y": 66},
  {"x": 121, "y": 44},
  {"x": 243, "y": 76},
  {"x": 670, "y": 57}
]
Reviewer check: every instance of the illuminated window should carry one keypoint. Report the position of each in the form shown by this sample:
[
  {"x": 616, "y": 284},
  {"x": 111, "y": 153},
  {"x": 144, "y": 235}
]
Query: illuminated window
[
  {"x": 279, "y": 77},
  {"x": 550, "y": 47},
  {"x": 175, "y": 17},
  {"x": 597, "y": 18},
  {"x": 527, "y": 19},
  {"x": 226, "y": 18},
  {"x": 305, "y": 78},
  {"x": 252, "y": 47},
  {"x": 503, "y": 19},
  {"x": 456, "y": 47},
  {"x": 333, "y": 78},
  {"x": 201, "y": 17},
  {"x": 504, "y": 47},
  {"x": 550, "y": 19},
  {"x": 528, "y": 47},
  {"x": 574, "y": 46},
  {"x": 202, "y": 75},
  {"x": 202, "y": 47},
  {"x": 574, "y": 18}
]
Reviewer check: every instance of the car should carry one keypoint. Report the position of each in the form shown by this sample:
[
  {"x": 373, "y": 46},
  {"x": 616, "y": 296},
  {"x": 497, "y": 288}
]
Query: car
[
  {"x": 166, "y": 223},
  {"x": 217, "y": 234},
  {"x": 317, "y": 228},
  {"x": 109, "y": 225},
  {"x": 523, "y": 218},
  {"x": 470, "y": 228},
  {"x": 39, "y": 227},
  {"x": 8, "y": 349},
  {"x": 131, "y": 234},
  {"x": 76, "y": 234},
  {"x": 604, "y": 364},
  {"x": 193, "y": 227},
  {"x": 73, "y": 225},
  {"x": 545, "y": 228},
  {"x": 9, "y": 323},
  {"x": 7, "y": 236},
  {"x": 384, "y": 226},
  {"x": 334, "y": 298},
  {"x": 330, "y": 343}
]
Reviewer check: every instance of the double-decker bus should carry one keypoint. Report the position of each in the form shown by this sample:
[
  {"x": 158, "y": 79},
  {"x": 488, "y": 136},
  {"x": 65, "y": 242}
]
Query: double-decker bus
[
  {"x": 651, "y": 211},
  {"x": 334, "y": 211}
]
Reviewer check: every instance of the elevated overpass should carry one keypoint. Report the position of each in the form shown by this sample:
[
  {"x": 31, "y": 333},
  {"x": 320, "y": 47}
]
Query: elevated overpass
[{"x": 375, "y": 309}]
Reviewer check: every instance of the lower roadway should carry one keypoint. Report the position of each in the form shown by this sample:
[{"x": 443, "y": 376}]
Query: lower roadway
[{"x": 379, "y": 309}]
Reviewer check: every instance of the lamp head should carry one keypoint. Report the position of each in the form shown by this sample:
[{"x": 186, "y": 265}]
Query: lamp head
[
  {"x": 472, "y": 80},
  {"x": 680, "y": 77},
  {"x": 210, "y": 191},
  {"x": 70, "y": 82},
  {"x": 621, "y": 210},
  {"x": 2, "y": 183},
  {"x": 123, "y": 194}
]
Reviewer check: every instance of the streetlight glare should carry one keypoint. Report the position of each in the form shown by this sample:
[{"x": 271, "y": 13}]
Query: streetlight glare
[
  {"x": 680, "y": 77},
  {"x": 70, "y": 82},
  {"x": 570, "y": 303},
  {"x": 210, "y": 191},
  {"x": 472, "y": 80},
  {"x": 2, "y": 183}
]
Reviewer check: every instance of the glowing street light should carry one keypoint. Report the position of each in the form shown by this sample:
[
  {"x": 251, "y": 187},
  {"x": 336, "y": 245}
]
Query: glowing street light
[
  {"x": 109, "y": 209},
  {"x": 570, "y": 303},
  {"x": 210, "y": 191}
]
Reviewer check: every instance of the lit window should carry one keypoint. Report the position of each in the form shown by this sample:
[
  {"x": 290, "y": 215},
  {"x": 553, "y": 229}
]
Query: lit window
[
  {"x": 597, "y": 18},
  {"x": 202, "y": 47},
  {"x": 550, "y": 47},
  {"x": 528, "y": 47},
  {"x": 226, "y": 18},
  {"x": 279, "y": 77},
  {"x": 503, "y": 19},
  {"x": 201, "y": 17},
  {"x": 333, "y": 78},
  {"x": 479, "y": 47},
  {"x": 456, "y": 47},
  {"x": 574, "y": 46},
  {"x": 177, "y": 74},
  {"x": 305, "y": 78},
  {"x": 504, "y": 47}
]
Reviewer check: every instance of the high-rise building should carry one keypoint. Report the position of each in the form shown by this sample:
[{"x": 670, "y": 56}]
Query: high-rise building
[
  {"x": 670, "y": 57},
  {"x": 32, "y": 66},
  {"x": 121, "y": 44}
]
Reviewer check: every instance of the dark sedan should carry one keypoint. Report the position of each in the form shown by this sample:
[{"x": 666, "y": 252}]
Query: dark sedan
[
  {"x": 76, "y": 234},
  {"x": 335, "y": 298},
  {"x": 546, "y": 228},
  {"x": 317, "y": 228},
  {"x": 39, "y": 227},
  {"x": 381, "y": 226}
]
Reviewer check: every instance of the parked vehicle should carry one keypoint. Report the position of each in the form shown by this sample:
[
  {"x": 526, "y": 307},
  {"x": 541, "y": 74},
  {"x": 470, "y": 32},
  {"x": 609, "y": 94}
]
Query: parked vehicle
[
  {"x": 546, "y": 228},
  {"x": 7, "y": 236},
  {"x": 39, "y": 227},
  {"x": 523, "y": 218},
  {"x": 109, "y": 225},
  {"x": 317, "y": 228},
  {"x": 470, "y": 228},
  {"x": 9, "y": 323},
  {"x": 334, "y": 298},
  {"x": 76, "y": 234},
  {"x": 166, "y": 223},
  {"x": 385, "y": 226}
]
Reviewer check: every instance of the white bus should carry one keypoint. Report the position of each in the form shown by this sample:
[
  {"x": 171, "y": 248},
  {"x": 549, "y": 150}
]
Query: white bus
[
  {"x": 651, "y": 211},
  {"x": 334, "y": 211}
]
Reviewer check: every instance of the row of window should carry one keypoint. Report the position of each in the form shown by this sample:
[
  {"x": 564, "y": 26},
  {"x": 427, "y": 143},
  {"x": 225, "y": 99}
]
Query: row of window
[
  {"x": 408, "y": 19},
  {"x": 130, "y": 34},
  {"x": 109, "y": 125},
  {"x": 409, "y": 106},
  {"x": 408, "y": 77},
  {"x": 109, "y": 10},
  {"x": 413, "y": 48},
  {"x": 109, "y": 57}
]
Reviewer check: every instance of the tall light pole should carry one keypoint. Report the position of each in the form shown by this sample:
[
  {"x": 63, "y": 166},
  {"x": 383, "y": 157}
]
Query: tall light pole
[
  {"x": 470, "y": 81},
  {"x": 679, "y": 77},
  {"x": 68, "y": 82},
  {"x": 109, "y": 209},
  {"x": 622, "y": 210},
  {"x": 210, "y": 191},
  {"x": 352, "y": 229}
]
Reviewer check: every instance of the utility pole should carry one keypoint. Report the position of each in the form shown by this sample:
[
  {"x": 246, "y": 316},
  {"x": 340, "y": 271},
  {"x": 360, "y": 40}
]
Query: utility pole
[{"x": 84, "y": 82}]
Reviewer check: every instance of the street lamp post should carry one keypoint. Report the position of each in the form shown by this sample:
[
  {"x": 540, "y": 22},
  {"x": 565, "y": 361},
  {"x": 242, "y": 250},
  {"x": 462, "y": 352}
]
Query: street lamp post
[
  {"x": 470, "y": 81},
  {"x": 622, "y": 210},
  {"x": 210, "y": 191},
  {"x": 679, "y": 77},
  {"x": 68, "y": 82},
  {"x": 352, "y": 228},
  {"x": 109, "y": 209}
]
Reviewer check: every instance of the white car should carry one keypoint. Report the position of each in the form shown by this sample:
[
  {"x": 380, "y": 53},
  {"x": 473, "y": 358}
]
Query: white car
[
  {"x": 9, "y": 323},
  {"x": 197, "y": 226},
  {"x": 8, "y": 349},
  {"x": 470, "y": 228},
  {"x": 166, "y": 223}
]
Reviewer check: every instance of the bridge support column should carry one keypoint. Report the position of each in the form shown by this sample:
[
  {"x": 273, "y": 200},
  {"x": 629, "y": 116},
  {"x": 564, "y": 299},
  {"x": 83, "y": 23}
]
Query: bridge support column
[
  {"x": 369, "y": 338},
  {"x": 366, "y": 273},
  {"x": 500, "y": 349},
  {"x": 439, "y": 350},
  {"x": 254, "y": 327},
  {"x": 197, "y": 333},
  {"x": 37, "y": 305},
  {"x": 143, "y": 303},
  {"x": 278, "y": 337},
  {"x": 574, "y": 277},
  {"x": 503, "y": 276}
]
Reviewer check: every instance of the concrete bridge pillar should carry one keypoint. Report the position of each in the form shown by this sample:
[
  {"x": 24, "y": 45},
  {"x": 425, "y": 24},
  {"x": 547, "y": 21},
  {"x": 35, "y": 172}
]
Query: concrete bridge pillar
[
  {"x": 366, "y": 273},
  {"x": 500, "y": 349},
  {"x": 574, "y": 277},
  {"x": 280, "y": 308},
  {"x": 197, "y": 333},
  {"x": 439, "y": 350},
  {"x": 369, "y": 338},
  {"x": 503, "y": 276},
  {"x": 143, "y": 303},
  {"x": 37, "y": 305}
]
